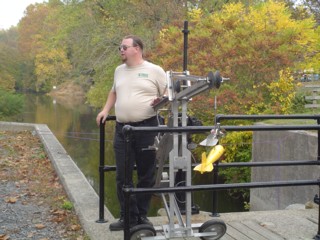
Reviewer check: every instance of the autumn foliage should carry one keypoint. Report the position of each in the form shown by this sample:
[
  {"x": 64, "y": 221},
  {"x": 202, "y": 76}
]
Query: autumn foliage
[
  {"x": 61, "y": 41},
  {"x": 253, "y": 46}
]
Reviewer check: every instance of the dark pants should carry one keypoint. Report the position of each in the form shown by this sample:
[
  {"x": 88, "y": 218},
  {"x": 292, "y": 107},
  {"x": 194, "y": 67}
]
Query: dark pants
[{"x": 145, "y": 162}]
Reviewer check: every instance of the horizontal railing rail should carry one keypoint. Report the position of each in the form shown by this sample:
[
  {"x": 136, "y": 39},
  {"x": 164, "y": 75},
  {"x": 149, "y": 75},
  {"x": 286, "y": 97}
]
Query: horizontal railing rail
[
  {"x": 220, "y": 117},
  {"x": 224, "y": 186},
  {"x": 128, "y": 191},
  {"x": 110, "y": 168}
]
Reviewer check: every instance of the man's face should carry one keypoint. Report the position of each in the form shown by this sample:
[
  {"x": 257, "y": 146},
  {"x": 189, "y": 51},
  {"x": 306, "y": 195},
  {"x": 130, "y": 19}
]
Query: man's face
[{"x": 127, "y": 50}]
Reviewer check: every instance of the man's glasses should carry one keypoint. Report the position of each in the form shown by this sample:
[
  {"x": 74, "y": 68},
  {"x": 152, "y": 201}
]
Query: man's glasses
[{"x": 124, "y": 47}]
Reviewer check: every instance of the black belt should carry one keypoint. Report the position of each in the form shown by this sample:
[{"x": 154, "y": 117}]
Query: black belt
[{"x": 134, "y": 124}]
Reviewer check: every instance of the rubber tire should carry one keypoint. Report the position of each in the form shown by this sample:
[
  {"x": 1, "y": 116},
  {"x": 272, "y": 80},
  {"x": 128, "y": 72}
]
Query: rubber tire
[
  {"x": 214, "y": 225},
  {"x": 142, "y": 230}
]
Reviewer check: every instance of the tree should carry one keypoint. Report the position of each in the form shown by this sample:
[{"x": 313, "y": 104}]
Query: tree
[
  {"x": 9, "y": 59},
  {"x": 117, "y": 19},
  {"x": 251, "y": 45},
  {"x": 30, "y": 42},
  {"x": 30, "y": 38},
  {"x": 50, "y": 68},
  {"x": 314, "y": 7}
]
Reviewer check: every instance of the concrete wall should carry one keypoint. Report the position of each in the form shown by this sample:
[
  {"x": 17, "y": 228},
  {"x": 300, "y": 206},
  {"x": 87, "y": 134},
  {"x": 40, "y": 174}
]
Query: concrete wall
[{"x": 283, "y": 146}]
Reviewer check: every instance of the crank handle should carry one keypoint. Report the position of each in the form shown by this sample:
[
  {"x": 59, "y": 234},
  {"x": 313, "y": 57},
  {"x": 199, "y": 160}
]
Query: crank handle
[{"x": 150, "y": 148}]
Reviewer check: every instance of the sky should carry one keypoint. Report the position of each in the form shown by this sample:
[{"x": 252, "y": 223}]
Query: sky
[{"x": 11, "y": 11}]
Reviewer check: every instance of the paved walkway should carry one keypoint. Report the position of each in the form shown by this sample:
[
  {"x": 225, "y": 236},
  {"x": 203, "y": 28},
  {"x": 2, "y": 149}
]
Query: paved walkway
[{"x": 284, "y": 224}]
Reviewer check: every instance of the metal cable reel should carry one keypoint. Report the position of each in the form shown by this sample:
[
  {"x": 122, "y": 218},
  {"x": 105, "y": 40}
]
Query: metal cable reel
[{"x": 183, "y": 86}]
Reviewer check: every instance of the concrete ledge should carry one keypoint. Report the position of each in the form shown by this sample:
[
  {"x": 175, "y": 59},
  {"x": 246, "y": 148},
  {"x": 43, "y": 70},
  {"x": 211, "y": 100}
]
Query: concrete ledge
[{"x": 80, "y": 192}]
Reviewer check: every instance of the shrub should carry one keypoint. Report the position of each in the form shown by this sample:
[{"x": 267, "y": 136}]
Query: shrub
[{"x": 10, "y": 104}]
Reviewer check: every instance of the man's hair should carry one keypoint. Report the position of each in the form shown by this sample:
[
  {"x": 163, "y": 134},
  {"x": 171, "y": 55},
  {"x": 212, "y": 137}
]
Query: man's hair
[{"x": 136, "y": 41}]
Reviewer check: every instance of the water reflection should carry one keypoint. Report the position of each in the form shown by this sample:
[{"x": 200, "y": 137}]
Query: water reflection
[{"x": 74, "y": 126}]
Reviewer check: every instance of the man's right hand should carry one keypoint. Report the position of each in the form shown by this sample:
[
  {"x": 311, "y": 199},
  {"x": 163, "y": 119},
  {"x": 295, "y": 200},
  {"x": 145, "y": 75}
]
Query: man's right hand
[{"x": 102, "y": 115}]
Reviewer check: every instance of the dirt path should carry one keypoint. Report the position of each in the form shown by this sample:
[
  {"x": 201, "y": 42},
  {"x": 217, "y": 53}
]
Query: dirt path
[{"x": 33, "y": 204}]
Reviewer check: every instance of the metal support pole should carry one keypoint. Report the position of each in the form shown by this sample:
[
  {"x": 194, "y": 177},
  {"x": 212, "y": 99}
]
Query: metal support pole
[
  {"x": 187, "y": 154},
  {"x": 215, "y": 193},
  {"x": 181, "y": 175},
  {"x": 185, "y": 45},
  {"x": 215, "y": 174},
  {"x": 101, "y": 174},
  {"x": 127, "y": 194},
  {"x": 317, "y": 237},
  {"x": 318, "y": 122}
]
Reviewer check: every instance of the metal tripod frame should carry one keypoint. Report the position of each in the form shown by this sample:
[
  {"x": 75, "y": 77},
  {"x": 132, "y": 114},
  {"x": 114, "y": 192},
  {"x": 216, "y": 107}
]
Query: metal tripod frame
[{"x": 180, "y": 157}]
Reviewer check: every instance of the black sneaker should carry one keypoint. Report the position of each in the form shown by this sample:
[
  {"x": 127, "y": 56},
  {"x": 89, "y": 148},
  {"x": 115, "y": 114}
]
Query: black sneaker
[
  {"x": 144, "y": 220},
  {"x": 119, "y": 225}
]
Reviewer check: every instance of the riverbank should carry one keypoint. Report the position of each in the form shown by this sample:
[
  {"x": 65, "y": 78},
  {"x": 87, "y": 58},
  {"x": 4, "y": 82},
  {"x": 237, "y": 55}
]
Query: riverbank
[{"x": 69, "y": 94}]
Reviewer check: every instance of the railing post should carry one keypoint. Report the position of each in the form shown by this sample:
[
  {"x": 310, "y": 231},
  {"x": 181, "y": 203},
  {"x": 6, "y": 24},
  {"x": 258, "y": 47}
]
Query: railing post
[
  {"x": 317, "y": 237},
  {"x": 215, "y": 181},
  {"x": 215, "y": 193},
  {"x": 318, "y": 122},
  {"x": 101, "y": 174},
  {"x": 127, "y": 134}
]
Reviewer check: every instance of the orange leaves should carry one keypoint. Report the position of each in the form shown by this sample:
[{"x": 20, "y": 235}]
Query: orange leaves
[
  {"x": 30, "y": 26},
  {"x": 11, "y": 200},
  {"x": 75, "y": 227},
  {"x": 250, "y": 45},
  {"x": 33, "y": 184},
  {"x": 39, "y": 226},
  {"x": 59, "y": 216},
  {"x": 4, "y": 237}
]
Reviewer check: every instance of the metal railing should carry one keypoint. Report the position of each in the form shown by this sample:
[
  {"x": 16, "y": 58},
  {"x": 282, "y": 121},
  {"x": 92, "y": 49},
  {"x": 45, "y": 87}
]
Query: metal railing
[
  {"x": 128, "y": 191},
  {"x": 221, "y": 117}
]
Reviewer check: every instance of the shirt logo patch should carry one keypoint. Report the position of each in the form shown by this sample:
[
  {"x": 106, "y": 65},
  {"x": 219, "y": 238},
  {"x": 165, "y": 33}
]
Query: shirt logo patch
[{"x": 143, "y": 75}]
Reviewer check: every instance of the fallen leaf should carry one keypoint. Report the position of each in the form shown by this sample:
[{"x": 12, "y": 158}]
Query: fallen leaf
[
  {"x": 58, "y": 219},
  {"x": 30, "y": 235},
  {"x": 11, "y": 200},
  {"x": 59, "y": 212},
  {"x": 4, "y": 237},
  {"x": 75, "y": 227},
  {"x": 40, "y": 226}
]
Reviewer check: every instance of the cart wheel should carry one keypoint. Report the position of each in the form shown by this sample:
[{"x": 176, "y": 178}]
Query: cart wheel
[
  {"x": 215, "y": 225},
  {"x": 142, "y": 230}
]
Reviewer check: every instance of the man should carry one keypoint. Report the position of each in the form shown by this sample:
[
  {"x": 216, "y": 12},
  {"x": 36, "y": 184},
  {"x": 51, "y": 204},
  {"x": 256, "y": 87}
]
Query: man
[{"x": 138, "y": 85}]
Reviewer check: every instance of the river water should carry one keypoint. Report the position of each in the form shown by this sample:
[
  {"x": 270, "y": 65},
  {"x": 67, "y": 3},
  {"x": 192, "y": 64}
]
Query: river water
[{"x": 74, "y": 126}]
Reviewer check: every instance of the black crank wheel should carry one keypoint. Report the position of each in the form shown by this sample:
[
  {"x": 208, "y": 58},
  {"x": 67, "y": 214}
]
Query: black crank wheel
[
  {"x": 215, "y": 226},
  {"x": 140, "y": 231}
]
